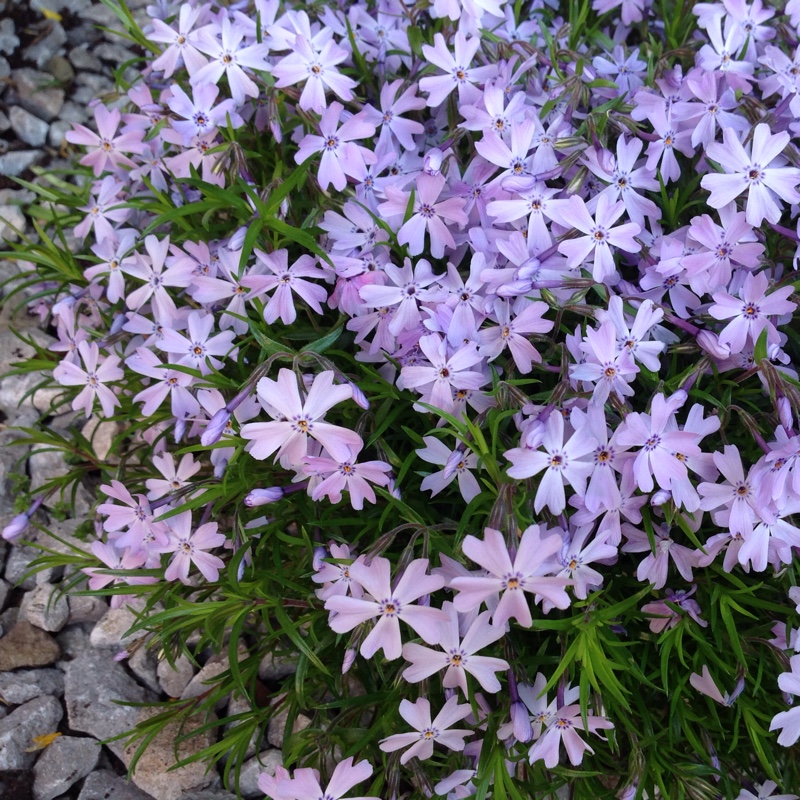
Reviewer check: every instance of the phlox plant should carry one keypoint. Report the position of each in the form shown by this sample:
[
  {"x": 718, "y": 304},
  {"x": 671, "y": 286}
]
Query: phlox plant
[{"x": 450, "y": 350}]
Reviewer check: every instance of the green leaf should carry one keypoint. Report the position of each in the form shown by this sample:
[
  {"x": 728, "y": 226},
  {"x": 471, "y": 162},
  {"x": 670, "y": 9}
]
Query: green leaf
[{"x": 325, "y": 342}]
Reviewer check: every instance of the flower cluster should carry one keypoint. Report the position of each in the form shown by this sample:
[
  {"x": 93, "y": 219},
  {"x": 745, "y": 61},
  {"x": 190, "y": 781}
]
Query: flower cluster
[{"x": 462, "y": 268}]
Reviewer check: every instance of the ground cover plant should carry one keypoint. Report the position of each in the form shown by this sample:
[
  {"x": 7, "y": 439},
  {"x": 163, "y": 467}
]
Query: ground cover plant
[{"x": 452, "y": 350}]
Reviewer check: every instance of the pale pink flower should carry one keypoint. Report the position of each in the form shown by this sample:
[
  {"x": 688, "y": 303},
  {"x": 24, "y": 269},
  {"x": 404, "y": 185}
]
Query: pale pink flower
[
  {"x": 92, "y": 377},
  {"x": 174, "y": 478},
  {"x": 749, "y": 313},
  {"x": 428, "y": 215},
  {"x": 181, "y": 43},
  {"x": 445, "y": 372},
  {"x": 104, "y": 207},
  {"x": 605, "y": 364},
  {"x": 563, "y": 462},
  {"x": 654, "y": 567},
  {"x": 390, "y": 605},
  {"x": 762, "y": 172},
  {"x": 437, "y": 452},
  {"x": 106, "y": 148},
  {"x": 457, "y": 654},
  {"x": 458, "y": 70},
  {"x": 510, "y": 332},
  {"x": 295, "y": 420},
  {"x": 599, "y": 236},
  {"x": 513, "y": 579},
  {"x": 286, "y": 281},
  {"x": 190, "y": 548},
  {"x": 340, "y": 155},
  {"x": 389, "y": 119},
  {"x": 199, "y": 349},
  {"x": 336, "y": 577},
  {"x": 228, "y": 58},
  {"x": 348, "y": 476},
  {"x": 409, "y": 289},
  {"x": 200, "y": 116},
  {"x": 789, "y": 721},
  {"x": 658, "y": 443},
  {"x": 664, "y": 617},
  {"x": 133, "y": 523},
  {"x": 318, "y": 70},
  {"x": 563, "y": 729},
  {"x": 426, "y": 732},
  {"x": 305, "y": 785}
]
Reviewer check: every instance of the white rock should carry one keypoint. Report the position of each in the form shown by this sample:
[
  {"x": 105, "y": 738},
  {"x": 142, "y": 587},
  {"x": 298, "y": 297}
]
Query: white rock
[
  {"x": 279, "y": 721},
  {"x": 264, "y": 762},
  {"x": 29, "y": 128},
  {"x": 46, "y": 607},
  {"x": 110, "y": 630},
  {"x": 175, "y": 681}
]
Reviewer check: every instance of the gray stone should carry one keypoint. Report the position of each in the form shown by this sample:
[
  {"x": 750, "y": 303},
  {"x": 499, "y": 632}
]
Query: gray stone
[
  {"x": 45, "y": 465},
  {"x": 142, "y": 663},
  {"x": 48, "y": 46},
  {"x": 98, "y": 84},
  {"x": 60, "y": 68},
  {"x": 5, "y": 122},
  {"x": 209, "y": 794},
  {"x": 110, "y": 630},
  {"x": 94, "y": 681},
  {"x": 82, "y": 34},
  {"x": 101, "y": 434},
  {"x": 46, "y": 607},
  {"x": 18, "y": 393},
  {"x": 215, "y": 666},
  {"x": 36, "y": 93},
  {"x": 275, "y": 668},
  {"x": 12, "y": 222},
  {"x": 280, "y": 720},
  {"x": 29, "y": 128},
  {"x": 85, "y": 608},
  {"x": 248, "y": 777},
  {"x": 72, "y": 112},
  {"x": 107, "y": 785},
  {"x": 175, "y": 681},
  {"x": 153, "y": 771},
  {"x": 9, "y": 41},
  {"x": 83, "y": 59},
  {"x": 16, "y": 162},
  {"x": 5, "y": 588},
  {"x": 73, "y": 641},
  {"x": 240, "y": 705},
  {"x": 19, "y": 564},
  {"x": 27, "y": 646},
  {"x": 5, "y": 71},
  {"x": 60, "y": 536},
  {"x": 55, "y": 136},
  {"x": 114, "y": 53},
  {"x": 63, "y": 764},
  {"x": 21, "y": 686},
  {"x": 37, "y": 717}
]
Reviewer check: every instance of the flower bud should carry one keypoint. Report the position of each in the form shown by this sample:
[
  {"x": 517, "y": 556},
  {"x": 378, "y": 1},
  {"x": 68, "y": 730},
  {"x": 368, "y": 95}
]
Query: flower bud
[
  {"x": 349, "y": 659},
  {"x": 359, "y": 397},
  {"x": 16, "y": 527},
  {"x": 711, "y": 344},
  {"x": 660, "y": 498},
  {"x": 216, "y": 427},
  {"x": 260, "y": 497}
]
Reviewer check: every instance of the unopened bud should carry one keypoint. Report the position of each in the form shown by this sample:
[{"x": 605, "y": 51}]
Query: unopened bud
[
  {"x": 359, "y": 397},
  {"x": 16, "y": 527},
  {"x": 711, "y": 344},
  {"x": 216, "y": 427},
  {"x": 660, "y": 498},
  {"x": 260, "y": 497},
  {"x": 349, "y": 659},
  {"x": 521, "y": 722},
  {"x": 785, "y": 412}
]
